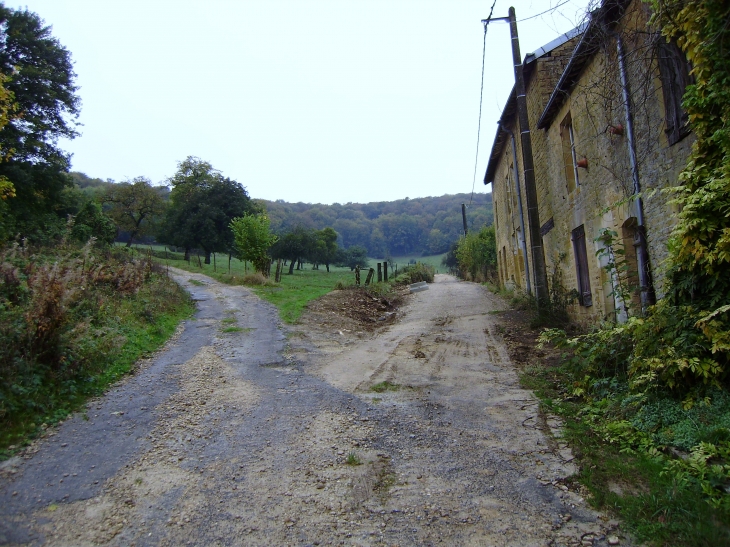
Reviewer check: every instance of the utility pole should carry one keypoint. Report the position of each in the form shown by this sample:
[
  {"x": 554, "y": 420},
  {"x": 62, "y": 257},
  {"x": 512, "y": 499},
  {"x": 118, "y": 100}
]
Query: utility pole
[
  {"x": 463, "y": 217},
  {"x": 533, "y": 217}
]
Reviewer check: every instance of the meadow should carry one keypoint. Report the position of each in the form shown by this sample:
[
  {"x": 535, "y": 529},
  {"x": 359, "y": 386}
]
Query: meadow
[{"x": 293, "y": 293}]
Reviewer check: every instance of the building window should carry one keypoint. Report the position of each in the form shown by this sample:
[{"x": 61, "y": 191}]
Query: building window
[
  {"x": 569, "y": 158},
  {"x": 508, "y": 187},
  {"x": 674, "y": 70},
  {"x": 630, "y": 262},
  {"x": 581, "y": 266}
]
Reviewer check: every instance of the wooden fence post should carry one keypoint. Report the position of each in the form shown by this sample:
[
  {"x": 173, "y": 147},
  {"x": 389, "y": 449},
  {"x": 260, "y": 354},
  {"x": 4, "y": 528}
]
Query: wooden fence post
[
  {"x": 369, "y": 278},
  {"x": 385, "y": 271},
  {"x": 380, "y": 272}
]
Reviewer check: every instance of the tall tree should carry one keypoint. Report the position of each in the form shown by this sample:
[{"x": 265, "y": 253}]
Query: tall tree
[
  {"x": 325, "y": 247},
  {"x": 294, "y": 246},
  {"x": 202, "y": 205},
  {"x": 134, "y": 205},
  {"x": 41, "y": 79},
  {"x": 7, "y": 189}
]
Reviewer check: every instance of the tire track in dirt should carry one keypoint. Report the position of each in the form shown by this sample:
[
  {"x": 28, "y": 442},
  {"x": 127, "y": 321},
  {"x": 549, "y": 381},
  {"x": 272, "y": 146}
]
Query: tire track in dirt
[
  {"x": 472, "y": 462},
  {"x": 244, "y": 438}
]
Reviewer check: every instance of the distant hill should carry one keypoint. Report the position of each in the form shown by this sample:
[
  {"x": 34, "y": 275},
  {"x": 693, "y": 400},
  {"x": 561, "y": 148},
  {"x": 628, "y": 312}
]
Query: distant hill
[
  {"x": 405, "y": 227},
  {"x": 422, "y": 226}
]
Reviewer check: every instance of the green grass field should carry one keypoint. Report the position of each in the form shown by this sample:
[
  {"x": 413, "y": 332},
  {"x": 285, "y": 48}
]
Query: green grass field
[
  {"x": 294, "y": 292},
  {"x": 290, "y": 296},
  {"x": 433, "y": 261}
]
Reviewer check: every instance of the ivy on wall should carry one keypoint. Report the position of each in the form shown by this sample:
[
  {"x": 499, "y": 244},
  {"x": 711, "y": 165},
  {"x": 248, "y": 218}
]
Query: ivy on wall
[{"x": 686, "y": 337}]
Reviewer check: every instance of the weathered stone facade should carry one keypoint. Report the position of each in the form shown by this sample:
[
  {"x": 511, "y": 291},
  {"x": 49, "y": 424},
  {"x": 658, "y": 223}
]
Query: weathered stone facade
[{"x": 583, "y": 172}]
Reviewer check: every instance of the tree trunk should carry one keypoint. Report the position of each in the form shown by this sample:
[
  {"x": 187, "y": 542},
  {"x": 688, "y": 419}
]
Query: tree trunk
[
  {"x": 207, "y": 257},
  {"x": 291, "y": 267},
  {"x": 328, "y": 267},
  {"x": 131, "y": 238},
  {"x": 187, "y": 255}
]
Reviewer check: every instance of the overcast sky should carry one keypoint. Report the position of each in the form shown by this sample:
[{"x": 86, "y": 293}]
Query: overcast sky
[{"x": 308, "y": 100}]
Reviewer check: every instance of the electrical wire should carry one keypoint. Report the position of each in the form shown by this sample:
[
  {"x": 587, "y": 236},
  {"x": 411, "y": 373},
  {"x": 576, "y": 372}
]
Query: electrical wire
[
  {"x": 481, "y": 97},
  {"x": 544, "y": 12}
]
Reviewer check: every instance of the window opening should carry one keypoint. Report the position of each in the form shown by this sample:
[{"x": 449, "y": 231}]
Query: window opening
[
  {"x": 569, "y": 156},
  {"x": 581, "y": 266},
  {"x": 674, "y": 71}
]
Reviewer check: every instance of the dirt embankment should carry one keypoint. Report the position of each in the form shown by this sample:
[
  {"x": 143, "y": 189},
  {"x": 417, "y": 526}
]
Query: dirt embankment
[{"x": 266, "y": 435}]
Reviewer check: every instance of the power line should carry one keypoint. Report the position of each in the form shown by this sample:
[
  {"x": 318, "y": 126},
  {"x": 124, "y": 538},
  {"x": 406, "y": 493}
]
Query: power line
[
  {"x": 481, "y": 97},
  {"x": 481, "y": 91},
  {"x": 544, "y": 12}
]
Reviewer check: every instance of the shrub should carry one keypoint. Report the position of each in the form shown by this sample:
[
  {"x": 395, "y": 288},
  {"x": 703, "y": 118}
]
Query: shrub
[
  {"x": 257, "y": 279},
  {"x": 476, "y": 255},
  {"x": 415, "y": 273},
  {"x": 66, "y": 314}
]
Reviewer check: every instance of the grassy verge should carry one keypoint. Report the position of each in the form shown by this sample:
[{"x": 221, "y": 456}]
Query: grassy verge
[
  {"x": 73, "y": 321},
  {"x": 402, "y": 261},
  {"x": 291, "y": 296},
  {"x": 295, "y": 291},
  {"x": 635, "y": 482}
]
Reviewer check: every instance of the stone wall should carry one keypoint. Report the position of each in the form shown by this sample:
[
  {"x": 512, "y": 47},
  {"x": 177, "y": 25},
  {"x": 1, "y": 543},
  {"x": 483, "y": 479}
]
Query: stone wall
[{"x": 601, "y": 198}]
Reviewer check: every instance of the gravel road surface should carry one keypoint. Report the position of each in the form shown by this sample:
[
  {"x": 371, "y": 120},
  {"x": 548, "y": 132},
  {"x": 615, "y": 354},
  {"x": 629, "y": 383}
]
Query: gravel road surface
[{"x": 246, "y": 432}]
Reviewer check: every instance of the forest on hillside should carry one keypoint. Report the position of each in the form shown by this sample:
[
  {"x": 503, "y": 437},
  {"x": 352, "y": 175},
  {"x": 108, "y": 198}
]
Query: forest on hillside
[
  {"x": 423, "y": 226},
  {"x": 419, "y": 226}
]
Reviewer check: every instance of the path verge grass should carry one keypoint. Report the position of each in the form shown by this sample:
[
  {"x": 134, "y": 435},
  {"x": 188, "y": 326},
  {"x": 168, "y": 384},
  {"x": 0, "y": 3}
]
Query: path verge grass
[
  {"x": 291, "y": 296},
  {"x": 72, "y": 321},
  {"x": 658, "y": 507}
]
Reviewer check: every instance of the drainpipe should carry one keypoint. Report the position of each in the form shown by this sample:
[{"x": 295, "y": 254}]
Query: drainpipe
[
  {"x": 523, "y": 244},
  {"x": 642, "y": 255}
]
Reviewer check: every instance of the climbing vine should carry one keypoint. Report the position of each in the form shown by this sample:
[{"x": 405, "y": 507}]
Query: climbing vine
[{"x": 686, "y": 337}]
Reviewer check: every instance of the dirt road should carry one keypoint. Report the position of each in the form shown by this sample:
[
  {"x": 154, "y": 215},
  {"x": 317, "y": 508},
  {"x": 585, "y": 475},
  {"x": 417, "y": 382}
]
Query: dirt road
[{"x": 244, "y": 432}]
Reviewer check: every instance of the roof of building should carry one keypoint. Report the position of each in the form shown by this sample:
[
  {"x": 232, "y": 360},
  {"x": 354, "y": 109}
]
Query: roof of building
[
  {"x": 601, "y": 20},
  {"x": 511, "y": 106}
]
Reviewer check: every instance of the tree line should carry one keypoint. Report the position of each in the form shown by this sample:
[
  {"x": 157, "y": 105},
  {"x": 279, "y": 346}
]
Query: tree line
[
  {"x": 193, "y": 209},
  {"x": 41, "y": 202},
  {"x": 419, "y": 226}
]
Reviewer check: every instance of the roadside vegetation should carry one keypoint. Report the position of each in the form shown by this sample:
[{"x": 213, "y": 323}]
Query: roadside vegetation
[
  {"x": 474, "y": 256},
  {"x": 646, "y": 400},
  {"x": 74, "y": 319},
  {"x": 292, "y": 294},
  {"x": 75, "y": 312}
]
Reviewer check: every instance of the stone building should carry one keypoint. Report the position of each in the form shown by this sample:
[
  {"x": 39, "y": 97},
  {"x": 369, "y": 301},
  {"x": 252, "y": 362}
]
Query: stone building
[{"x": 599, "y": 174}]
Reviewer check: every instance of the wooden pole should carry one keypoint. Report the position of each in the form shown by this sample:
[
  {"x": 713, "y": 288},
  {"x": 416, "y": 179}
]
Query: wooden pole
[
  {"x": 214, "y": 269},
  {"x": 369, "y": 278},
  {"x": 533, "y": 217},
  {"x": 380, "y": 272},
  {"x": 385, "y": 271}
]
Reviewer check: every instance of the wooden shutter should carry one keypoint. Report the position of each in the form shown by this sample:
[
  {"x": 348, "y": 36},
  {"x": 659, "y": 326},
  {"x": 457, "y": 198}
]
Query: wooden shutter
[
  {"x": 581, "y": 266},
  {"x": 674, "y": 71}
]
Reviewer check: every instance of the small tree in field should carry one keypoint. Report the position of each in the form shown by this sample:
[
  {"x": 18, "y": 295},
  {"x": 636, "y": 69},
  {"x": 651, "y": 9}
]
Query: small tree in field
[{"x": 253, "y": 240}]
